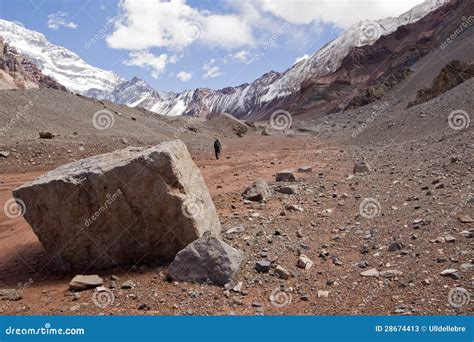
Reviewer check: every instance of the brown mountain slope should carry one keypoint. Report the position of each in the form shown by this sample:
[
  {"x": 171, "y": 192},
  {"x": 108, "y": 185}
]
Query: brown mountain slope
[{"x": 369, "y": 72}]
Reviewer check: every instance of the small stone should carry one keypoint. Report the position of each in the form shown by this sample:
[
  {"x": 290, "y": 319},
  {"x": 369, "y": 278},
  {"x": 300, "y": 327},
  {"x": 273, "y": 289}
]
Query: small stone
[
  {"x": 395, "y": 246},
  {"x": 305, "y": 169},
  {"x": 45, "y": 135},
  {"x": 466, "y": 267},
  {"x": 426, "y": 281},
  {"x": 304, "y": 262},
  {"x": 323, "y": 294},
  {"x": 282, "y": 272},
  {"x": 258, "y": 191},
  {"x": 361, "y": 167},
  {"x": 9, "y": 294},
  {"x": 390, "y": 273},
  {"x": 450, "y": 272},
  {"x": 370, "y": 273},
  {"x": 84, "y": 282},
  {"x": 450, "y": 238},
  {"x": 294, "y": 207},
  {"x": 263, "y": 266},
  {"x": 126, "y": 285},
  {"x": 143, "y": 306},
  {"x": 4, "y": 154},
  {"x": 465, "y": 219},
  {"x": 288, "y": 189},
  {"x": 285, "y": 176}
]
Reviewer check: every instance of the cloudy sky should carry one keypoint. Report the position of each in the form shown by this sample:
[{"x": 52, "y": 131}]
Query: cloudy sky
[{"x": 178, "y": 44}]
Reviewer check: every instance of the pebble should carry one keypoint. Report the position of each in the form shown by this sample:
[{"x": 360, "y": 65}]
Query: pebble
[
  {"x": 282, "y": 272},
  {"x": 304, "y": 262},
  {"x": 263, "y": 266}
]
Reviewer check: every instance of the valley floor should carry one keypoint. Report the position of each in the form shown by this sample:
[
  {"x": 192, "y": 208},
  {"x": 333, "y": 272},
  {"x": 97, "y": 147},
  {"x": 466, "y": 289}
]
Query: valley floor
[{"x": 419, "y": 196}]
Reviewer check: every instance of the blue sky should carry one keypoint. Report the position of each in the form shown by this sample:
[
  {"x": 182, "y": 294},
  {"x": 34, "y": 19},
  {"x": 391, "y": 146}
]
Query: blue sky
[{"x": 177, "y": 45}]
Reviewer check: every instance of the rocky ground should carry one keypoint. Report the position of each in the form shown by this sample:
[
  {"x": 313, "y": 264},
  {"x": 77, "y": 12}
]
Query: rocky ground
[{"x": 407, "y": 221}]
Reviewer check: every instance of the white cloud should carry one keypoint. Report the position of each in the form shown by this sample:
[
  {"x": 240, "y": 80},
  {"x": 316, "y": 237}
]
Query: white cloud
[
  {"x": 147, "y": 60},
  {"x": 174, "y": 25},
  {"x": 302, "y": 58},
  {"x": 184, "y": 76},
  {"x": 211, "y": 70},
  {"x": 59, "y": 19},
  {"x": 342, "y": 13},
  {"x": 243, "y": 56}
]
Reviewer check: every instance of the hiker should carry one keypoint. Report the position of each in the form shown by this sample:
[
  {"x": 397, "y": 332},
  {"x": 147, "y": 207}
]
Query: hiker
[{"x": 217, "y": 148}]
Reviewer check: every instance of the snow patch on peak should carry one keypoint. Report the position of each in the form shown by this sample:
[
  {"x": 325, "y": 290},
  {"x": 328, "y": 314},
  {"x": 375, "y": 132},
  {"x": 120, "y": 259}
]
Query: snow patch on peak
[{"x": 59, "y": 63}]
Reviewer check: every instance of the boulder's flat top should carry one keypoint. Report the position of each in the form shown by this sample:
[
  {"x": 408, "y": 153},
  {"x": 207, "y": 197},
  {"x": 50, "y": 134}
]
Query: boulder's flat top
[{"x": 73, "y": 172}]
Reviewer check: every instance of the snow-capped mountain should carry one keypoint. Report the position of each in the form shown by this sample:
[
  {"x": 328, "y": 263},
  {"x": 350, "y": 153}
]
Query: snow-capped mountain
[
  {"x": 135, "y": 92},
  {"x": 254, "y": 100},
  {"x": 248, "y": 100},
  {"x": 59, "y": 63}
]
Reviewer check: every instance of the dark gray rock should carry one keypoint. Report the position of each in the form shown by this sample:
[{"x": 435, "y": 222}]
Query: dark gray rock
[
  {"x": 263, "y": 266},
  {"x": 208, "y": 259},
  {"x": 285, "y": 176}
]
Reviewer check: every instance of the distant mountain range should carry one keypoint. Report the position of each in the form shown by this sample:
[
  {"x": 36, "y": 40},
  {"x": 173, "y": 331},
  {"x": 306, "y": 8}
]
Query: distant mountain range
[{"x": 307, "y": 83}]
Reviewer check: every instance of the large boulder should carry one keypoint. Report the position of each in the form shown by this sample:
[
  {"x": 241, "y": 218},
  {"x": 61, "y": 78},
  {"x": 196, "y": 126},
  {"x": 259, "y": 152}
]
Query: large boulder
[
  {"x": 207, "y": 259},
  {"x": 129, "y": 206},
  {"x": 258, "y": 191}
]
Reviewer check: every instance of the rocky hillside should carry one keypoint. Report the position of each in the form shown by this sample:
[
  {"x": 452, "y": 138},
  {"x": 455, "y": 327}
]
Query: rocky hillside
[
  {"x": 18, "y": 73},
  {"x": 453, "y": 74}
]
